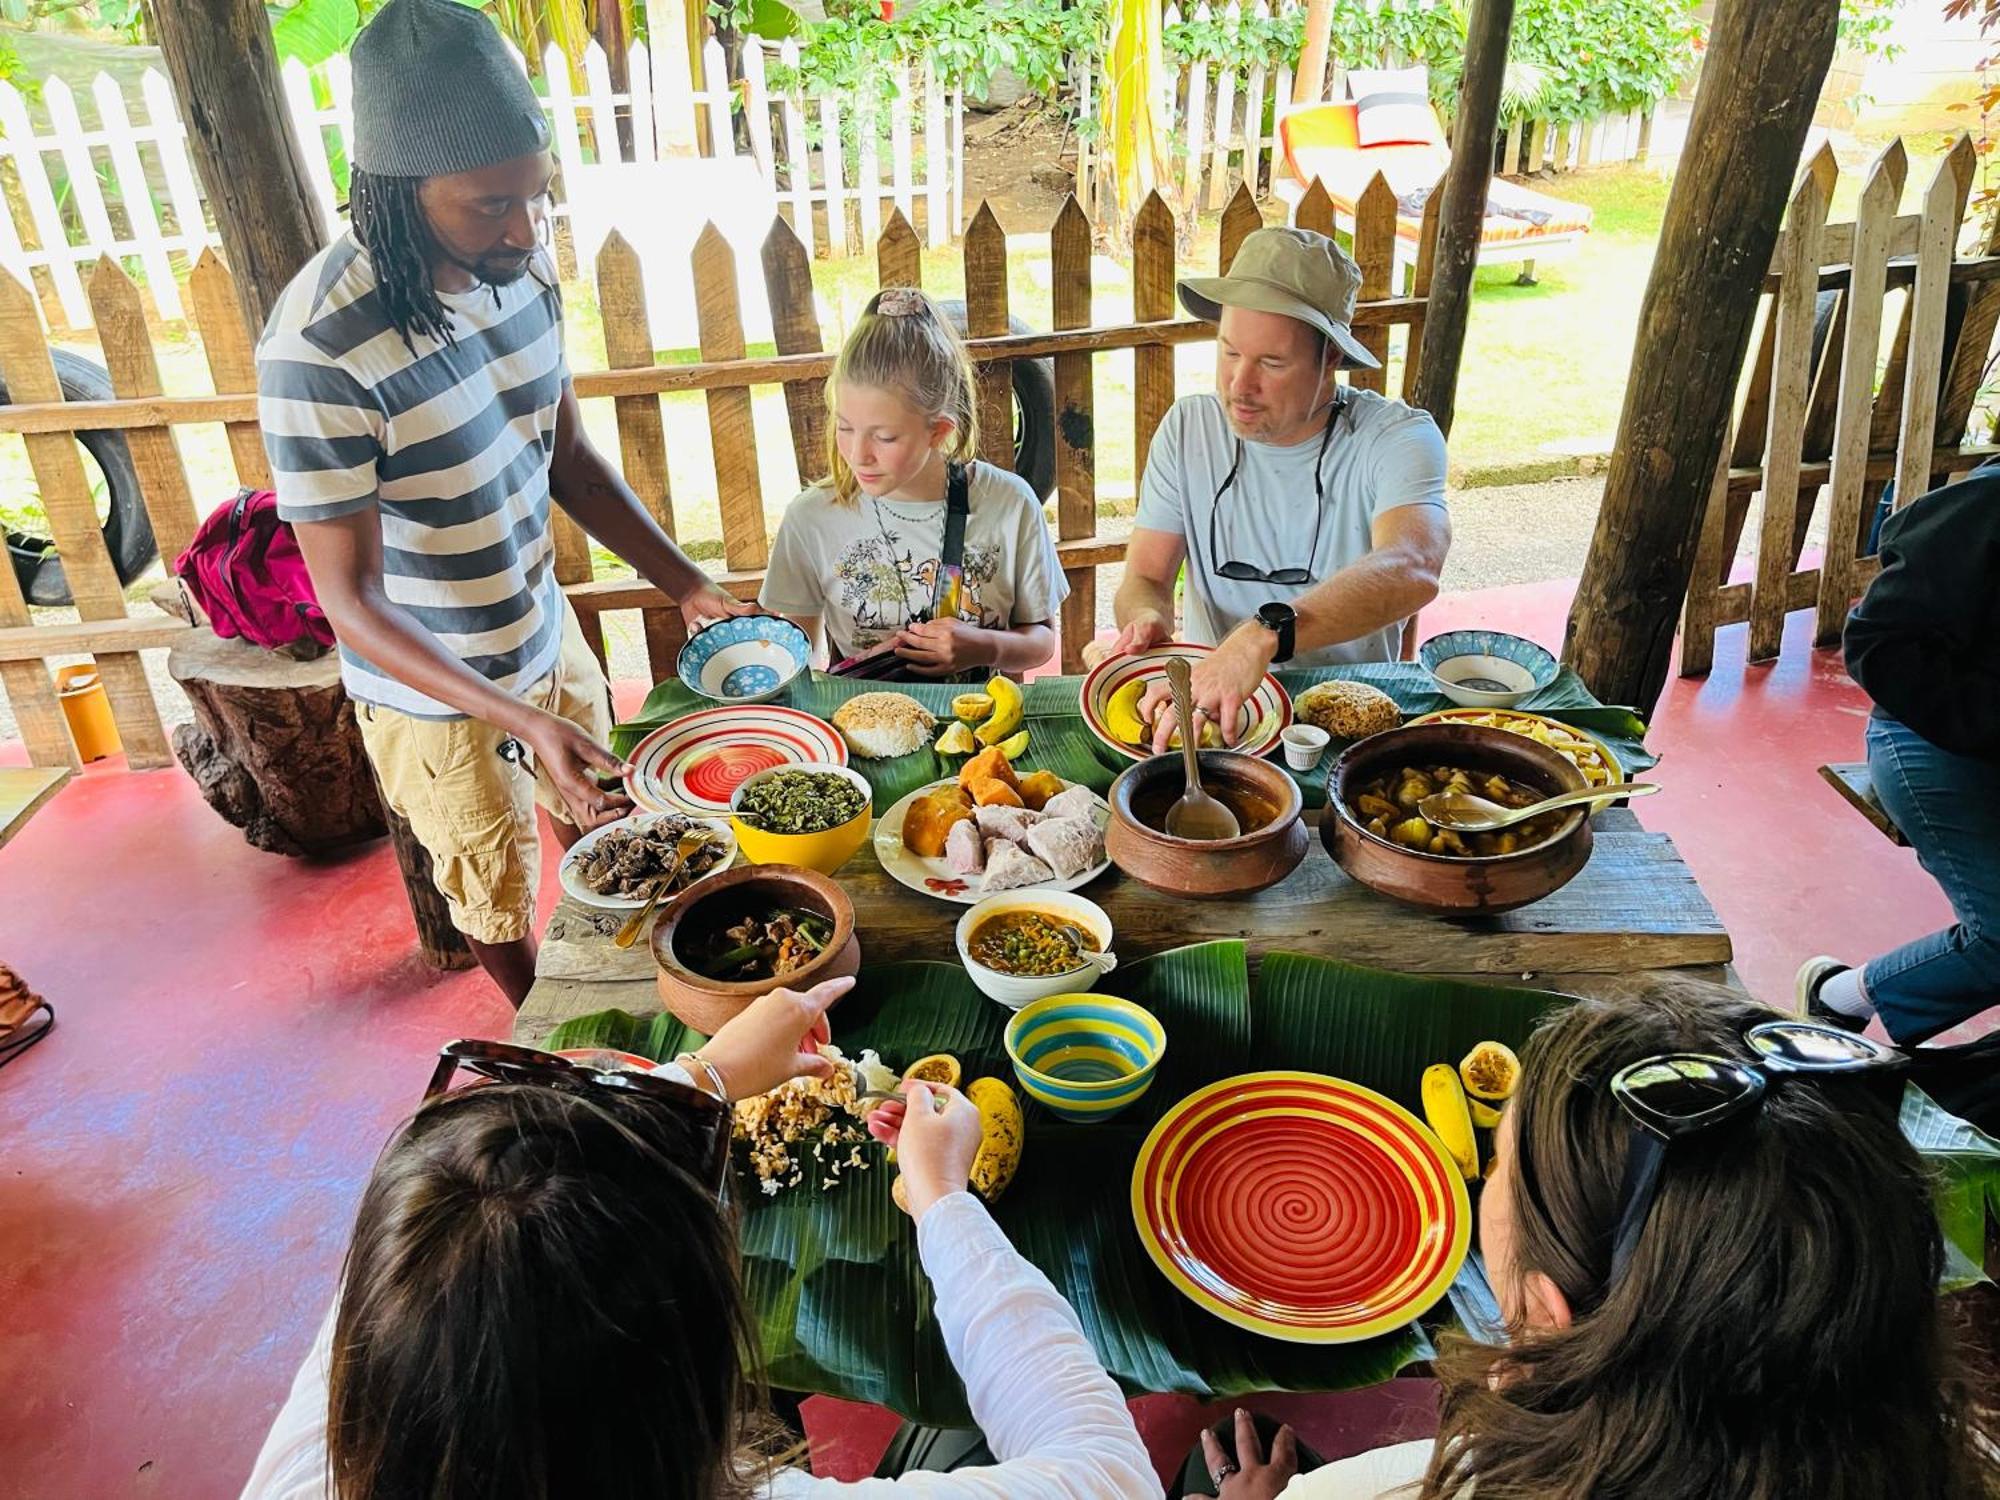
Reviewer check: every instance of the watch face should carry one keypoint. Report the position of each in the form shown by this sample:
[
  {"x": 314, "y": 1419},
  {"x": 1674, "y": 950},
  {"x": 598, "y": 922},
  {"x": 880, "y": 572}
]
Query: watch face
[{"x": 1276, "y": 615}]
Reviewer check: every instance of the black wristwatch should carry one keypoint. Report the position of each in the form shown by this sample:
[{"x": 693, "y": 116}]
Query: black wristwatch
[{"x": 1283, "y": 621}]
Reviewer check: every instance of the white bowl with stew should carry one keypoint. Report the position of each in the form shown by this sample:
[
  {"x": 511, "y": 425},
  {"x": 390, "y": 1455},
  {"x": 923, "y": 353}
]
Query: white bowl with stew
[{"x": 1016, "y": 989}]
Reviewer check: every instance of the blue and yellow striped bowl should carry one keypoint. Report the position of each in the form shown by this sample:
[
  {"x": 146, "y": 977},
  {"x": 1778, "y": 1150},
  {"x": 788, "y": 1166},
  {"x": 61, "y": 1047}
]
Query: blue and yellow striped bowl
[{"x": 1085, "y": 1056}]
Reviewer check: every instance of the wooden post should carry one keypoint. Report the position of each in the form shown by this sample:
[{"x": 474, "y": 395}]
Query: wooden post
[
  {"x": 218, "y": 54},
  {"x": 1309, "y": 83},
  {"x": 1766, "y": 61},
  {"x": 1464, "y": 209}
]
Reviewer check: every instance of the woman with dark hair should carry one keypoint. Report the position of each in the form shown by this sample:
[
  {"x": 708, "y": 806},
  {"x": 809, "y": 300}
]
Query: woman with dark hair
[
  {"x": 541, "y": 1300},
  {"x": 1737, "y": 1305}
]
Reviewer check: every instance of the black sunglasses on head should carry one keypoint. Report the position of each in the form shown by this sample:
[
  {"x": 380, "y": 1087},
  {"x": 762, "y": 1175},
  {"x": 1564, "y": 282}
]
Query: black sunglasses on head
[
  {"x": 1681, "y": 1094},
  {"x": 707, "y": 1122}
]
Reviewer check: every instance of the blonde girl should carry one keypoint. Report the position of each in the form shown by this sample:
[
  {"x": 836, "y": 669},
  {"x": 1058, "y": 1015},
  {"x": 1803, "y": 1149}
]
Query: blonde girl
[{"x": 861, "y": 561}]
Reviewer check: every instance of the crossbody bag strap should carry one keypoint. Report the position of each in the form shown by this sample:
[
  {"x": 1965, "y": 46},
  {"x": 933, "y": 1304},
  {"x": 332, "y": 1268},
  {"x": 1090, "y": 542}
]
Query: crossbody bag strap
[{"x": 947, "y": 592}]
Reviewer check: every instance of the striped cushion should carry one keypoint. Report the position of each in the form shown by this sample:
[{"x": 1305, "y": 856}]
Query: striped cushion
[{"x": 1394, "y": 107}]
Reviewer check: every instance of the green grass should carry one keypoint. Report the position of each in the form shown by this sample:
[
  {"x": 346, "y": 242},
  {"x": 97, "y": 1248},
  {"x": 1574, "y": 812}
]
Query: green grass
[{"x": 1543, "y": 374}]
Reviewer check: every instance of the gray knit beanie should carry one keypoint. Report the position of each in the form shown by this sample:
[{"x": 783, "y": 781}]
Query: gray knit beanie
[{"x": 435, "y": 92}]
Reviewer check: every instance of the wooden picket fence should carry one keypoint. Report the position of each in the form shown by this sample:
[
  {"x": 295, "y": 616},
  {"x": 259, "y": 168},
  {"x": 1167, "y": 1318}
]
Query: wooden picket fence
[
  {"x": 133, "y": 193},
  {"x": 1813, "y": 430},
  {"x": 725, "y": 376}
]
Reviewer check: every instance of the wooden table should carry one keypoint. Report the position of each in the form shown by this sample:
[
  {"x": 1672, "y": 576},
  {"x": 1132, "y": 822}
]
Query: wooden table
[
  {"x": 1634, "y": 909},
  {"x": 23, "y": 793}
]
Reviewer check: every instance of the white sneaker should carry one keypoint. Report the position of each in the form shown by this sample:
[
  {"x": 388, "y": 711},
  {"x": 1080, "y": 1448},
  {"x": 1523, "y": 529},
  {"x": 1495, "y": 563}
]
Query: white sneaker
[{"x": 1806, "y": 1003}]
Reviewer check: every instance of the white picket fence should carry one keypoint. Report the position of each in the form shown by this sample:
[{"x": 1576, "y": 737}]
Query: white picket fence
[
  {"x": 124, "y": 185},
  {"x": 1216, "y": 115}
]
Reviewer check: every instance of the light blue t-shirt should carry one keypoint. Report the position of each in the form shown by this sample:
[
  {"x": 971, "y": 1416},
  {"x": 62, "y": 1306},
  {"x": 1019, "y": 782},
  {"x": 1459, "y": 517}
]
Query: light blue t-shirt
[{"x": 1383, "y": 454}]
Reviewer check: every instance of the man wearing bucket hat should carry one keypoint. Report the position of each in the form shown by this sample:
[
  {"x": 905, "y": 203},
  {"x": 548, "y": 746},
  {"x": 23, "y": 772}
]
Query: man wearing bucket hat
[
  {"x": 419, "y": 417},
  {"x": 1310, "y": 516}
]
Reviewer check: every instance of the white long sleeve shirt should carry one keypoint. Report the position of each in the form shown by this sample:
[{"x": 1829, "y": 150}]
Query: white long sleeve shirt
[{"x": 1053, "y": 1418}]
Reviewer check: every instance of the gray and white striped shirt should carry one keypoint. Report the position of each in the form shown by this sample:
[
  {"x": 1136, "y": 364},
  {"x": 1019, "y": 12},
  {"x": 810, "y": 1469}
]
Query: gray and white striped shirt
[{"x": 450, "y": 444}]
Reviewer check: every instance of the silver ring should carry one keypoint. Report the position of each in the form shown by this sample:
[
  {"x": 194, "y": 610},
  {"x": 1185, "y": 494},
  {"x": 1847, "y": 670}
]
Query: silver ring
[{"x": 1221, "y": 1472}]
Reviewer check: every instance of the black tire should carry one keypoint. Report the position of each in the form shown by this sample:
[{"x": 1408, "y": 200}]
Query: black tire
[
  {"x": 128, "y": 532},
  {"x": 1034, "y": 409}
]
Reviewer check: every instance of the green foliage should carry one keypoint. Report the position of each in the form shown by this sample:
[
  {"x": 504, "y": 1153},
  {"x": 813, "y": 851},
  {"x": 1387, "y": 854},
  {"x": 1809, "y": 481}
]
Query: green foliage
[
  {"x": 1866, "y": 26},
  {"x": 314, "y": 30},
  {"x": 966, "y": 40},
  {"x": 1603, "y": 55}
]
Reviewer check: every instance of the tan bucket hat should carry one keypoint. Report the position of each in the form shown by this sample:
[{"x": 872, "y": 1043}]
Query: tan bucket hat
[{"x": 1295, "y": 273}]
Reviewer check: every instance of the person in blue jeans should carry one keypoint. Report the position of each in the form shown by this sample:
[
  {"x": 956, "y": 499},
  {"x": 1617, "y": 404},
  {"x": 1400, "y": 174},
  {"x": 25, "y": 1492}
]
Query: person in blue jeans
[{"x": 1924, "y": 644}]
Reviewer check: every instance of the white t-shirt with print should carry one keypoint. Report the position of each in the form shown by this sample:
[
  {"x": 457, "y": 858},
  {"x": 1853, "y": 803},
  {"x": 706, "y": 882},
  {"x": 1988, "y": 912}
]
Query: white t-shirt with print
[
  {"x": 865, "y": 569},
  {"x": 1383, "y": 454}
]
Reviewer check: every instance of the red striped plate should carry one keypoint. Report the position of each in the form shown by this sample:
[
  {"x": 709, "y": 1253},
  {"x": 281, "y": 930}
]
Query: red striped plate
[
  {"x": 1301, "y": 1207},
  {"x": 695, "y": 763}
]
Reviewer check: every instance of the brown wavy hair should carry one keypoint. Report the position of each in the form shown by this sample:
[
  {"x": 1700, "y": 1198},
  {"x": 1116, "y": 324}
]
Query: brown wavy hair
[
  {"x": 920, "y": 356},
  {"x": 541, "y": 1299},
  {"x": 1778, "y": 1332}
]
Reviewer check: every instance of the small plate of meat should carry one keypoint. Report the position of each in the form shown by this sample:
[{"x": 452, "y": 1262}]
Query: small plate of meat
[{"x": 617, "y": 867}]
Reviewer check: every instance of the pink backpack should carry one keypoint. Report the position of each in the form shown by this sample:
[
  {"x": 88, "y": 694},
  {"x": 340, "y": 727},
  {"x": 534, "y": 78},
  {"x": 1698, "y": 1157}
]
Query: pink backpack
[{"x": 245, "y": 570}]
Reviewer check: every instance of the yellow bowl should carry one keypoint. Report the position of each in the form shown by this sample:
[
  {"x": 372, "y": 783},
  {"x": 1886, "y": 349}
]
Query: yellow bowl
[{"x": 825, "y": 851}]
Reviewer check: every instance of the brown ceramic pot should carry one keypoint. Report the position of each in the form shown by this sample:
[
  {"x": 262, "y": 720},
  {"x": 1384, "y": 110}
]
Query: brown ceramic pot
[
  {"x": 1260, "y": 857},
  {"x": 1444, "y": 884},
  {"x": 706, "y": 1003}
]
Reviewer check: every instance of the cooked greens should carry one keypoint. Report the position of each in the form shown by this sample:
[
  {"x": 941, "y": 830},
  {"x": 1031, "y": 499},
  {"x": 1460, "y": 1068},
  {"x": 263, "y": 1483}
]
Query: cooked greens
[{"x": 800, "y": 801}]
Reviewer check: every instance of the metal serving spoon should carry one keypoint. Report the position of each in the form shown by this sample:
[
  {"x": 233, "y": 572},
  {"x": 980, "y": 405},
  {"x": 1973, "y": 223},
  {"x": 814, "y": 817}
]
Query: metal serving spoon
[
  {"x": 1464, "y": 813},
  {"x": 1197, "y": 815},
  {"x": 1086, "y": 956}
]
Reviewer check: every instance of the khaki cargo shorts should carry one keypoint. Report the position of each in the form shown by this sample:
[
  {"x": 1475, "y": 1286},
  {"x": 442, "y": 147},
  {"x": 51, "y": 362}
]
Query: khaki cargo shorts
[{"x": 475, "y": 811}]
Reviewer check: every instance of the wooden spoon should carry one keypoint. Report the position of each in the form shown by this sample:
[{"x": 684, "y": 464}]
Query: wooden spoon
[
  {"x": 1197, "y": 816},
  {"x": 1462, "y": 812}
]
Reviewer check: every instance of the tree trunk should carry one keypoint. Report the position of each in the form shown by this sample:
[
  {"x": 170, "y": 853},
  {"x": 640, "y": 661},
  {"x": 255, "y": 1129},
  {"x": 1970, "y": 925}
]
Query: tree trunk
[
  {"x": 274, "y": 747},
  {"x": 219, "y": 58},
  {"x": 1309, "y": 83},
  {"x": 1462, "y": 214},
  {"x": 275, "y": 750},
  {"x": 1766, "y": 62}
]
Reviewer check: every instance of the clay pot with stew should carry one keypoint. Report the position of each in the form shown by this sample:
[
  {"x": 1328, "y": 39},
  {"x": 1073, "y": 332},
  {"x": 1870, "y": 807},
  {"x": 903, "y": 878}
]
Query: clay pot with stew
[
  {"x": 1264, "y": 798},
  {"x": 687, "y": 925},
  {"x": 1455, "y": 885}
]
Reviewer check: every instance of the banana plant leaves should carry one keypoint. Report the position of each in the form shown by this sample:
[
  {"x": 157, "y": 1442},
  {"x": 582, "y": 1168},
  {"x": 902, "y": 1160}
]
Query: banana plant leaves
[
  {"x": 842, "y": 1303},
  {"x": 1061, "y": 742}
]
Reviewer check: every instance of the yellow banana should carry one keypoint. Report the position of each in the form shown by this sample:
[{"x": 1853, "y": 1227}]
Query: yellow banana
[{"x": 1444, "y": 1107}]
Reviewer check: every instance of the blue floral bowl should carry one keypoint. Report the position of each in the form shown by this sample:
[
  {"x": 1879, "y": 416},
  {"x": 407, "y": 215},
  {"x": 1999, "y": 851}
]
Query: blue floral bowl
[
  {"x": 746, "y": 659},
  {"x": 1487, "y": 668}
]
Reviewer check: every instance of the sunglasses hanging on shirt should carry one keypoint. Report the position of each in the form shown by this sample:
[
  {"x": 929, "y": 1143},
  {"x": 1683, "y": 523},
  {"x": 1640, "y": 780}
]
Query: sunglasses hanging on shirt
[{"x": 1243, "y": 572}]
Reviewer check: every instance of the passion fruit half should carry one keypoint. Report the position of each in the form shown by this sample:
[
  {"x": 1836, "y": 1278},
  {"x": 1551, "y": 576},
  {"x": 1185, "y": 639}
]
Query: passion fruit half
[{"x": 1490, "y": 1071}]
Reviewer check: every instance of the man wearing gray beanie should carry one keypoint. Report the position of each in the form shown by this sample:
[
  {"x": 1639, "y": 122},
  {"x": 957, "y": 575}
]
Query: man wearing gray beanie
[{"x": 419, "y": 417}]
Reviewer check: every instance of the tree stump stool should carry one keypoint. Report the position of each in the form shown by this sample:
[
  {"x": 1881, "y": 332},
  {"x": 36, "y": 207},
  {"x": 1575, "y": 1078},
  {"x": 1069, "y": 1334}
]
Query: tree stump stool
[{"x": 275, "y": 749}]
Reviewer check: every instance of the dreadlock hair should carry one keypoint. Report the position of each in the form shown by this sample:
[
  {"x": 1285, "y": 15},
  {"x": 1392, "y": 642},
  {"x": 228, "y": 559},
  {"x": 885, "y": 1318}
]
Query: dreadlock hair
[{"x": 389, "y": 223}]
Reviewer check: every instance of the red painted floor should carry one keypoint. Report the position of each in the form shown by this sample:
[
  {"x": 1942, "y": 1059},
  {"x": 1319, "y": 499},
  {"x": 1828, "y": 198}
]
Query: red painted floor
[{"x": 179, "y": 1162}]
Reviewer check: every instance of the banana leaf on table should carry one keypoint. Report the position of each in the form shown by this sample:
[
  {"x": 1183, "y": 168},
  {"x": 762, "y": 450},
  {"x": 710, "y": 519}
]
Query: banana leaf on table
[
  {"x": 1060, "y": 741},
  {"x": 1057, "y": 741},
  {"x": 842, "y": 1304}
]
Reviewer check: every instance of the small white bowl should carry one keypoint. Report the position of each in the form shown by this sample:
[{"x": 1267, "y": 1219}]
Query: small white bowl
[
  {"x": 1017, "y": 990},
  {"x": 1304, "y": 745}
]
